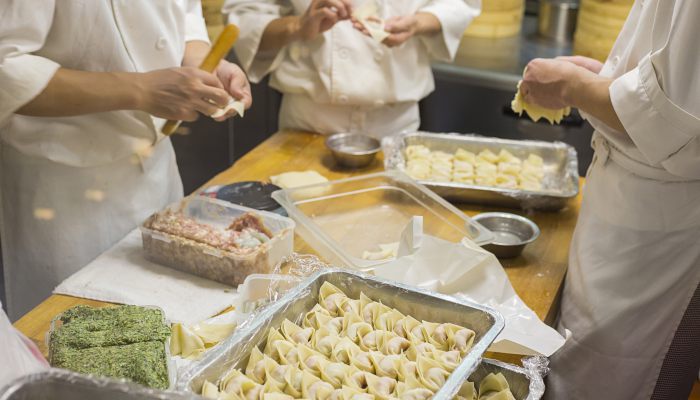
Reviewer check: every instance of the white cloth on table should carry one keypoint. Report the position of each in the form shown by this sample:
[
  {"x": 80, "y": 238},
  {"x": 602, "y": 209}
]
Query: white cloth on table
[{"x": 123, "y": 275}]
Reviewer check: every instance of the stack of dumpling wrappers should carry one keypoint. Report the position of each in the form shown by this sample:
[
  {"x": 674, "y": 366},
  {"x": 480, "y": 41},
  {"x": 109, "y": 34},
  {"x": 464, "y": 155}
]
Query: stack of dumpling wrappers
[
  {"x": 485, "y": 168},
  {"x": 354, "y": 349}
]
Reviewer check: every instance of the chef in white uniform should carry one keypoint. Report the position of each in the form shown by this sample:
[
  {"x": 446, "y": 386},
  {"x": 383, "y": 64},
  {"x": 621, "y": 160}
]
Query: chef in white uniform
[
  {"x": 635, "y": 257},
  {"x": 82, "y": 161},
  {"x": 333, "y": 77}
]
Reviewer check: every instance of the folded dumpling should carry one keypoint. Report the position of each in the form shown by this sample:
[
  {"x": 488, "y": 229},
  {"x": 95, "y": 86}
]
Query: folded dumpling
[
  {"x": 286, "y": 353},
  {"x": 324, "y": 344},
  {"x": 495, "y": 387},
  {"x": 381, "y": 387},
  {"x": 296, "y": 334},
  {"x": 239, "y": 384},
  {"x": 417, "y": 151},
  {"x": 343, "y": 350},
  {"x": 387, "y": 320},
  {"x": 272, "y": 336},
  {"x": 488, "y": 156},
  {"x": 461, "y": 340},
  {"x": 331, "y": 298},
  {"x": 391, "y": 343},
  {"x": 386, "y": 365},
  {"x": 210, "y": 390},
  {"x": 293, "y": 382},
  {"x": 448, "y": 360},
  {"x": 354, "y": 327},
  {"x": 334, "y": 373},
  {"x": 356, "y": 379},
  {"x": 310, "y": 360},
  {"x": 465, "y": 155},
  {"x": 467, "y": 391},
  {"x": 255, "y": 369},
  {"x": 431, "y": 374},
  {"x": 316, "y": 318},
  {"x": 185, "y": 343},
  {"x": 313, "y": 388}
]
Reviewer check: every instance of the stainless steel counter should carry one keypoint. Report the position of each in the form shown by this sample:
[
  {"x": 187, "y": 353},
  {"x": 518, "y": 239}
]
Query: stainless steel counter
[{"x": 499, "y": 63}]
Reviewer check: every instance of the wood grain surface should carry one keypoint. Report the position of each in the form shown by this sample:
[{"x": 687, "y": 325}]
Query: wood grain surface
[{"x": 537, "y": 275}]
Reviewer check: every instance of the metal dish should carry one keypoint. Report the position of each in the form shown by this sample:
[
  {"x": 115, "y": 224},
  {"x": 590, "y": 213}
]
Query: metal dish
[
  {"x": 421, "y": 304},
  {"x": 353, "y": 150},
  {"x": 58, "y": 384},
  {"x": 512, "y": 233},
  {"x": 561, "y": 180}
]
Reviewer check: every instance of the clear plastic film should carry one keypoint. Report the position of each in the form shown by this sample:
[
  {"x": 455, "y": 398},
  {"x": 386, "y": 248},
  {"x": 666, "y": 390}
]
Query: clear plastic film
[
  {"x": 536, "y": 368},
  {"x": 560, "y": 182}
]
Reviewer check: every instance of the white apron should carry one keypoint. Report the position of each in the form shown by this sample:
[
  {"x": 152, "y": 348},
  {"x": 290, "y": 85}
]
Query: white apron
[
  {"x": 633, "y": 267},
  {"x": 300, "y": 112},
  {"x": 56, "y": 218}
]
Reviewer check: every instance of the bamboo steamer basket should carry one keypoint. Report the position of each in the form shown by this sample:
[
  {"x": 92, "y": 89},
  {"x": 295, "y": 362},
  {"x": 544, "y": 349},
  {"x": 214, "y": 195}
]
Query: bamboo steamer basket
[
  {"x": 498, "y": 19},
  {"x": 598, "y": 25}
]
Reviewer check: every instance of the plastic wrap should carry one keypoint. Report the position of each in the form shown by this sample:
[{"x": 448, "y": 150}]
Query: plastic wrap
[
  {"x": 536, "y": 368},
  {"x": 57, "y": 384},
  {"x": 421, "y": 304},
  {"x": 560, "y": 183},
  {"x": 19, "y": 355}
]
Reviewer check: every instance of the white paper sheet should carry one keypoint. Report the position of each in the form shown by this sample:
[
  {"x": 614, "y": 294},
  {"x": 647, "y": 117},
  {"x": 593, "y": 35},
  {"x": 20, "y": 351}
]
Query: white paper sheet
[
  {"x": 123, "y": 275},
  {"x": 467, "y": 271}
]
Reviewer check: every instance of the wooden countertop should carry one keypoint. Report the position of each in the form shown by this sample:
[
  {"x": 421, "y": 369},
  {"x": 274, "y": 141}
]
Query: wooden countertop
[{"x": 537, "y": 275}]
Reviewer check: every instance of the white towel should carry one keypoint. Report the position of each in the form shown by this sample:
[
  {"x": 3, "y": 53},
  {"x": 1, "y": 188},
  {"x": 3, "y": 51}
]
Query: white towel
[{"x": 123, "y": 275}]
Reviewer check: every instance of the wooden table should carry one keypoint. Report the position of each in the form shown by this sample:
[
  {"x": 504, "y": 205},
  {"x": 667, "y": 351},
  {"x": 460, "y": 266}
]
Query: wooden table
[{"x": 537, "y": 275}]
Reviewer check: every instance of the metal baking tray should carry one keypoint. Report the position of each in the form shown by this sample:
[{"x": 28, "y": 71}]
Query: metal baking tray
[
  {"x": 342, "y": 219},
  {"x": 421, "y": 304},
  {"x": 560, "y": 184},
  {"x": 522, "y": 385},
  {"x": 57, "y": 384}
]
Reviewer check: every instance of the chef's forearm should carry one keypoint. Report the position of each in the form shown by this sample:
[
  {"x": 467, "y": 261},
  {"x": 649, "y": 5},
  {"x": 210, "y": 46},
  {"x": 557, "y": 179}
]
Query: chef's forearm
[
  {"x": 591, "y": 93},
  {"x": 427, "y": 24},
  {"x": 73, "y": 92},
  {"x": 279, "y": 33}
]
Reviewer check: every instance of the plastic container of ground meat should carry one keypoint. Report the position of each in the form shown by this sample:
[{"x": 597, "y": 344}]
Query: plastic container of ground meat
[{"x": 229, "y": 266}]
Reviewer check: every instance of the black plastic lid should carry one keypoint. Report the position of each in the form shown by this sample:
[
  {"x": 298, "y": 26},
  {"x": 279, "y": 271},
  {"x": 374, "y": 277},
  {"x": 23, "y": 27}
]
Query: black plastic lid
[{"x": 257, "y": 195}]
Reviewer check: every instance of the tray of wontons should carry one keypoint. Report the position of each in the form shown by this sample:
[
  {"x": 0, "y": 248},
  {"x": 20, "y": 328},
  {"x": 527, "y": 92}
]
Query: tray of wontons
[
  {"x": 344, "y": 335},
  {"x": 468, "y": 168}
]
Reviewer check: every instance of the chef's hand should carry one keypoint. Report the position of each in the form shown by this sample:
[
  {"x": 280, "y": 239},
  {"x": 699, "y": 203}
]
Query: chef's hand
[
  {"x": 400, "y": 29},
  {"x": 179, "y": 93},
  {"x": 588, "y": 63},
  {"x": 236, "y": 84},
  {"x": 320, "y": 16},
  {"x": 550, "y": 83}
]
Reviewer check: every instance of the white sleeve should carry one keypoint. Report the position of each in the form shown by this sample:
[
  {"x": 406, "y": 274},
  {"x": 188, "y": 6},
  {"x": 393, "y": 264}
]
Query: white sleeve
[
  {"x": 252, "y": 17},
  {"x": 657, "y": 102},
  {"x": 195, "y": 27},
  {"x": 23, "y": 76},
  {"x": 454, "y": 16}
]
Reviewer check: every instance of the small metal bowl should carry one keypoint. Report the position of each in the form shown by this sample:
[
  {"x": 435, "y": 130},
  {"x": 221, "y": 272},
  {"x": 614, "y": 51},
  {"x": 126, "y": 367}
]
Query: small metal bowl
[
  {"x": 353, "y": 150},
  {"x": 512, "y": 232}
]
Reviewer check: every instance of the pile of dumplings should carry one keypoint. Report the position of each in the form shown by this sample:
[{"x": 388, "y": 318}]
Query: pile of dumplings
[
  {"x": 349, "y": 349},
  {"x": 485, "y": 168}
]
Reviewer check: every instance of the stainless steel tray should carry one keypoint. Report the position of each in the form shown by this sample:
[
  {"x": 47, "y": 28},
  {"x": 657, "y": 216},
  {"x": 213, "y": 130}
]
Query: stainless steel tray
[
  {"x": 421, "y": 304},
  {"x": 519, "y": 381},
  {"x": 57, "y": 384},
  {"x": 561, "y": 180}
]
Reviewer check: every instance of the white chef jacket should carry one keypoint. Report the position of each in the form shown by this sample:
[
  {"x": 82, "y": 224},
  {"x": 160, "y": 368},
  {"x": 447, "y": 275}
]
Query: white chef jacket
[
  {"x": 38, "y": 37},
  {"x": 634, "y": 259},
  {"x": 70, "y": 187},
  {"x": 343, "y": 67}
]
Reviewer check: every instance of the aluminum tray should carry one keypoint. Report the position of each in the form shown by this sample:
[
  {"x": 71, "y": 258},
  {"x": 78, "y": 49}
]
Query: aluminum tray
[
  {"x": 561, "y": 180},
  {"x": 57, "y": 384},
  {"x": 519, "y": 381},
  {"x": 421, "y": 304}
]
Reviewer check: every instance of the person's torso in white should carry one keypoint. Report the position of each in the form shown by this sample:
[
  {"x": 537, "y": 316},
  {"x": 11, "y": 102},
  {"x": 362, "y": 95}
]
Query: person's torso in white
[
  {"x": 357, "y": 83},
  {"x": 70, "y": 187},
  {"x": 101, "y": 36},
  {"x": 633, "y": 265}
]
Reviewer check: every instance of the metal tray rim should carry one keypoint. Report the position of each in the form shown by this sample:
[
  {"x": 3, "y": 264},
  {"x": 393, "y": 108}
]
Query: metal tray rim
[{"x": 451, "y": 386}]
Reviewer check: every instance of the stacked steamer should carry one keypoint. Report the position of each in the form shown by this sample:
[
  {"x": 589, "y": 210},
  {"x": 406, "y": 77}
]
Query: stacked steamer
[
  {"x": 213, "y": 17},
  {"x": 498, "y": 19},
  {"x": 599, "y": 23}
]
